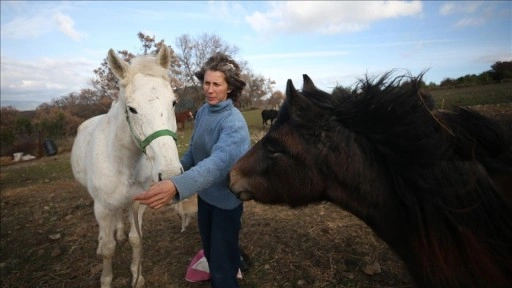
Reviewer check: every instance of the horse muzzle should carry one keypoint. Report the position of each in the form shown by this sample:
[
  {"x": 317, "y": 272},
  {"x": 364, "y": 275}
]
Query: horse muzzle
[{"x": 242, "y": 194}]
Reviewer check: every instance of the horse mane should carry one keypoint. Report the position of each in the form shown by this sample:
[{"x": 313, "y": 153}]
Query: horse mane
[
  {"x": 489, "y": 141},
  {"x": 440, "y": 165}
]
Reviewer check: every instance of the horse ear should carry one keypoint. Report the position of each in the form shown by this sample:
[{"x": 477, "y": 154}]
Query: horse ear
[
  {"x": 163, "y": 57},
  {"x": 308, "y": 83},
  {"x": 118, "y": 66},
  {"x": 298, "y": 105},
  {"x": 317, "y": 96}
]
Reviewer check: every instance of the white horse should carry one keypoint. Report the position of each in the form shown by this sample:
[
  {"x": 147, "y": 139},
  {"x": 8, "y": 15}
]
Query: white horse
[{"x": 121, "y": 153}]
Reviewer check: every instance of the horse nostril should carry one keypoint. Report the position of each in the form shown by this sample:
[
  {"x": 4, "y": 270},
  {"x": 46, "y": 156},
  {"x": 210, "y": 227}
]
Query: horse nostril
[{"x": 159, "y": 176}]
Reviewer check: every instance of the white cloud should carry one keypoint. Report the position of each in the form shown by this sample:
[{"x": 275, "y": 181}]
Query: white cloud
[
  {"x": 470, "y": 21},
  {"x": 471, "y": 6},
  {"x": 447, "y": 9},
  {"x": 26, "y": 27},
  {"x": 66, "y": 25},
  {"x": 460, "y": 7},
  {"x": 297, "y": 55},
  {"x": 328, "y": 17},
  {"x": 225, "y": 10},
  {"x": 43, "y": 79},
  {"x": 471, "y": 13},
  {"x": 33, "y": 22}
]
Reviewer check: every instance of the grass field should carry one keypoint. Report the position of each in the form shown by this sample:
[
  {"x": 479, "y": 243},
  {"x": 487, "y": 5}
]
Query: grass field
[{"x": 475, "y": 95}]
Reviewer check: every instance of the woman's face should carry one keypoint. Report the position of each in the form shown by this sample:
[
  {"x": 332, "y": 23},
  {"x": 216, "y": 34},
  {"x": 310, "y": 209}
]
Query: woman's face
[{"x": 215, "y": 87}]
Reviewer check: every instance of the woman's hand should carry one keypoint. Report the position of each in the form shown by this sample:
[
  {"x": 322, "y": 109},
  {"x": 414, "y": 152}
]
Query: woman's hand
[{"x": 157, "y": 195}]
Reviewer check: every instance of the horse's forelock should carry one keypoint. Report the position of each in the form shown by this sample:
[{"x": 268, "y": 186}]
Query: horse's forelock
[{"x": 144, "y": 64}]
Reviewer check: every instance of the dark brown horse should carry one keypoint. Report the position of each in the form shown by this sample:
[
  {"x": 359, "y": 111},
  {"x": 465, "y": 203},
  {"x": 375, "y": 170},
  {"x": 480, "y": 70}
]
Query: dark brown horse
[
  {"x": 182, "y": 117},
  {"x": 434, "y": 185},
  {"x": 270, "y": 114}
]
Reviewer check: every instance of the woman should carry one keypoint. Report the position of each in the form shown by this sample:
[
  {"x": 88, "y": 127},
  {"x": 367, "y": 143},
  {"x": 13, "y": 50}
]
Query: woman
[{"x": 220, "y": 137}]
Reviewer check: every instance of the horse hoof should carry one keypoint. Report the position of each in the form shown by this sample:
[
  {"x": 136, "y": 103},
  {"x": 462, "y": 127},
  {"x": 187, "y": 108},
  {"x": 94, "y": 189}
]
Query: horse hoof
[{"x": 140, "y": 283}]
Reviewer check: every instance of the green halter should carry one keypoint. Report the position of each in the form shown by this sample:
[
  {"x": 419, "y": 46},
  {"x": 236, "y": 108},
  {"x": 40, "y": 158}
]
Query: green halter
[{"x": 144, "y": 143}]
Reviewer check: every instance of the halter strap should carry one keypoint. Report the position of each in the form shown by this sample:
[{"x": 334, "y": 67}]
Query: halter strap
[
  {"x": 144, "y": 143},
  {"x": 164, "y": 132}
]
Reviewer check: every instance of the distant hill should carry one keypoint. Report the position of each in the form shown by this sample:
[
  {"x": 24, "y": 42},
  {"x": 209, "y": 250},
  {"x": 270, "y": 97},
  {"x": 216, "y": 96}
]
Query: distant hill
[{"x": 21, "y": 105}]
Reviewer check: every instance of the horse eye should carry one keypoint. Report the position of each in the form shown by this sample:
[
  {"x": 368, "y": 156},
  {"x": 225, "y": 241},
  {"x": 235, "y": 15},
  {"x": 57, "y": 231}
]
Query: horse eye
[
  {"x": 132, "y": 110},
  {"x": 273, "y": 151}
]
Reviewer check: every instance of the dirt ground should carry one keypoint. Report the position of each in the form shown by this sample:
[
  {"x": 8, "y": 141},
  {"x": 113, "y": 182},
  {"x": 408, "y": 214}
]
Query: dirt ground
[{"x": 49, "y": 239}]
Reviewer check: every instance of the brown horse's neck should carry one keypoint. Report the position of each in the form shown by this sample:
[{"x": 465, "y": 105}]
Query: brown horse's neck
[
  {"x": 438, "y": 256},
  {"x": 438, "y": 251}
]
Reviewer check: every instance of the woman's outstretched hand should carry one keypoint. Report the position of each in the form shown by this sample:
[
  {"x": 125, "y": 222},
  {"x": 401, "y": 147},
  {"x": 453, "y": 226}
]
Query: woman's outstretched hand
[{"x": 158, "y": 195}]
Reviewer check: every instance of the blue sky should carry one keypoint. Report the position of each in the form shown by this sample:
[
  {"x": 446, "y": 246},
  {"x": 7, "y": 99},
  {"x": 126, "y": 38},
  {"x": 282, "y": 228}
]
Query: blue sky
[{"x": 49, "y": 49}]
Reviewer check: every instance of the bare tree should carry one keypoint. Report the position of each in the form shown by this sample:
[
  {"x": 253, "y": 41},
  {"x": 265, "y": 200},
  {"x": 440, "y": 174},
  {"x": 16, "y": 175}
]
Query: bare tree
[
  {"x": 55, "y": 122},
  {"x": 185, "y": 47},
  {"x": 192, "y": 53},
  {"x": 257, "y": 88},
  {"x": 85, "y": 104},
  {"x": 275, "y": 100}
]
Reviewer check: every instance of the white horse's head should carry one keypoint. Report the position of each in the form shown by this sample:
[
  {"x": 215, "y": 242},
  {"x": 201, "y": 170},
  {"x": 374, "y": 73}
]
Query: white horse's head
[{"x": 148, "y": 101}]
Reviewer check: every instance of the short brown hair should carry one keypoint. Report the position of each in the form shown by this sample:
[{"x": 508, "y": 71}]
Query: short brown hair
[{"x": 223, "y": 63}]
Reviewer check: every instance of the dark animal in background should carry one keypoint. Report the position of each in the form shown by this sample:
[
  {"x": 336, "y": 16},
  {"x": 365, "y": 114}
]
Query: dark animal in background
[
  {"x": 434, "y": 185},
  {"x": 270, "y": 114},
  {"x": 182, "y": 117}
]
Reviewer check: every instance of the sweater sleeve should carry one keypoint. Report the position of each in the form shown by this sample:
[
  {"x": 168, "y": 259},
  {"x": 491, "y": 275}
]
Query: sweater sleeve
[{"x": 232, "y": 144}]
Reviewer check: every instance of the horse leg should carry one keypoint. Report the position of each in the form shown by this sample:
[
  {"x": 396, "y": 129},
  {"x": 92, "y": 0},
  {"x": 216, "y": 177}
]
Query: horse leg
[
  {"x": 106, "y": 243},
  {"x": 120, "y": 236},
  {"x": 185, "y": 220},
  {"x": 136, "y": 243}
]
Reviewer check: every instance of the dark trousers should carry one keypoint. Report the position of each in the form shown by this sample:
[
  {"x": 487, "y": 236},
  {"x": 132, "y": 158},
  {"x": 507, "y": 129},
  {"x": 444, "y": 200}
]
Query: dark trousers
[{"x": 219, "y": 230}]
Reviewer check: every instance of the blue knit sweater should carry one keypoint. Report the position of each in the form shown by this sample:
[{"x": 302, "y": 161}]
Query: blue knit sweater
[{"x": 219, "y": 139}]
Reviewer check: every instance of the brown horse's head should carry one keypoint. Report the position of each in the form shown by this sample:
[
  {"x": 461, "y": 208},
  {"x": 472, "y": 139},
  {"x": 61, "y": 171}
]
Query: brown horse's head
[{"x": 289, "y": 164}]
